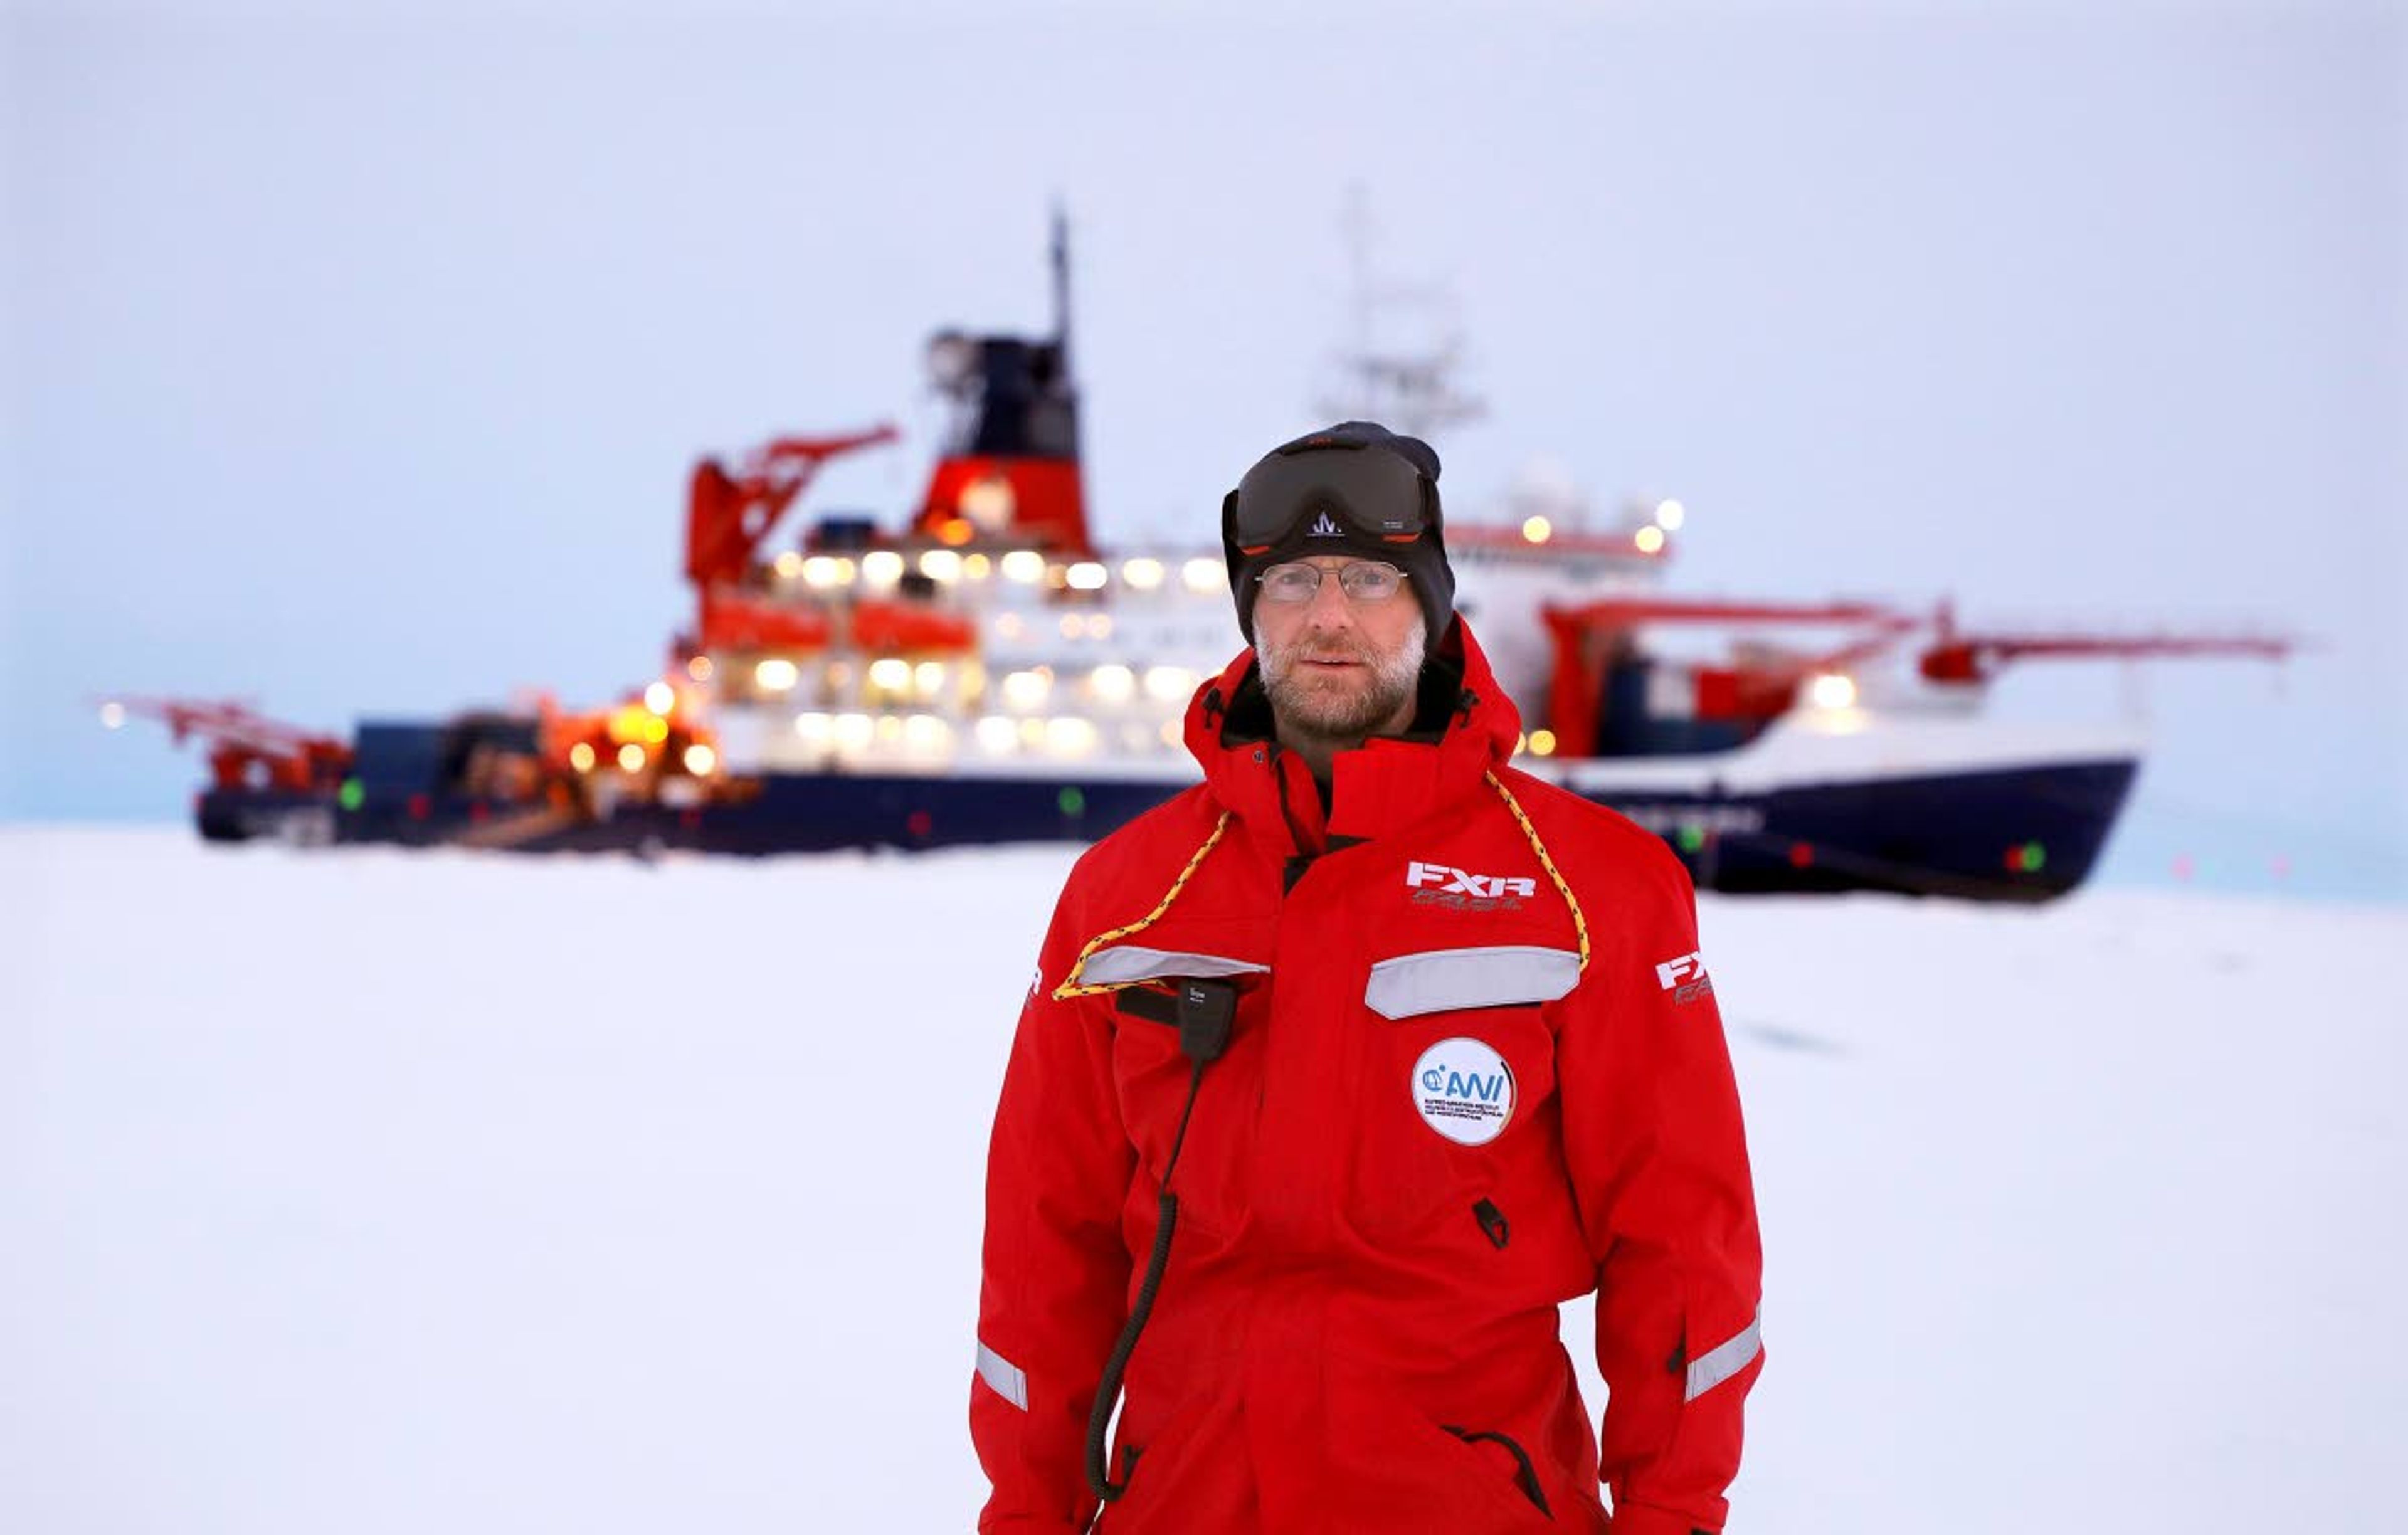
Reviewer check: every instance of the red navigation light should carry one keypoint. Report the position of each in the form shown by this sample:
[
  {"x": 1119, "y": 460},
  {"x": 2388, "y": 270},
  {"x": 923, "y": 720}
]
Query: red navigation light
[
  {"x": 418, "y": 806},
  {"x": 1801, "y": 855},
  {"x": 919, "y": 823}
]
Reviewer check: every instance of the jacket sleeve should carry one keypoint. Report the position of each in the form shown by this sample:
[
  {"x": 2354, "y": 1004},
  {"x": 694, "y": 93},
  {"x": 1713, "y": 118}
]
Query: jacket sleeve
[
  {"x": 1658, "y": 1161},
  {"x": 1055, "y": 1280}
]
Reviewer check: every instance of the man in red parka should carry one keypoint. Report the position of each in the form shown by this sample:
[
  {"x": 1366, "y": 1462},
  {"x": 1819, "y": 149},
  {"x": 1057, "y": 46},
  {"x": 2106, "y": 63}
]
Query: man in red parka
[{"x": 1340, "y": 1071}]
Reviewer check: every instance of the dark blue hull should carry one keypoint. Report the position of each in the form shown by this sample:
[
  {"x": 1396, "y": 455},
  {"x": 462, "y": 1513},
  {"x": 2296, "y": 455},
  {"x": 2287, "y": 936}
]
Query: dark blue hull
[{"x": 2024, "y": 834}]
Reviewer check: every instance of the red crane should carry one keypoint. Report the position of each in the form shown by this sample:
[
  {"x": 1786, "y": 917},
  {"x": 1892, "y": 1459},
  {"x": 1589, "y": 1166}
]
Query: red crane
[
  {"x": 1954, "y": 657},
  {"x": 728, "y": 513},
  {"x": 1585, "y": 637},
  {"x": 728, "y": 516},
  {"x": 246, "y": 746}
]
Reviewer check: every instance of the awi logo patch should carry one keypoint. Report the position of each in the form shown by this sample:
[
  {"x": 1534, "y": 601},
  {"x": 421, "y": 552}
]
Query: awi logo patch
[{"x": 1464, "y": 1090}]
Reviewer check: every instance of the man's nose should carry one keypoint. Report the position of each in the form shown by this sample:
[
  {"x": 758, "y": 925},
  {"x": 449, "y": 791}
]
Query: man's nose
[{"x": 1329, "y": 608}]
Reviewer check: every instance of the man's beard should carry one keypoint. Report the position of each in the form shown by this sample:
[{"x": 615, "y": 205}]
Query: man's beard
[{"x": 1304, "y": 704}]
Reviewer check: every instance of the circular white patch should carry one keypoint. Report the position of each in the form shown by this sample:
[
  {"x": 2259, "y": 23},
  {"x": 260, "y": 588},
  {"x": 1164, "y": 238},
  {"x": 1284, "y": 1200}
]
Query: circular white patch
[{"x": 1463, "y": 1090}]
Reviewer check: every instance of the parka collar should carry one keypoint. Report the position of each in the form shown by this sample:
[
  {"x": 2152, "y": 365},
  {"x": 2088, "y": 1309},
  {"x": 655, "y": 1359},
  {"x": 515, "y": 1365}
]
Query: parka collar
[{"x": 1465, "y": 725}]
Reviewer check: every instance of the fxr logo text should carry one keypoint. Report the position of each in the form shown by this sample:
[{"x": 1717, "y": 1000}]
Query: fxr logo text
[
  {"x": 1454, "y": 881},
  {"x": 1687, "y": 972}
]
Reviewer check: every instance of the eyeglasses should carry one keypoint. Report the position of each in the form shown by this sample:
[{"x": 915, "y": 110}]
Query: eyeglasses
[{"x": 1362, "y": 581}]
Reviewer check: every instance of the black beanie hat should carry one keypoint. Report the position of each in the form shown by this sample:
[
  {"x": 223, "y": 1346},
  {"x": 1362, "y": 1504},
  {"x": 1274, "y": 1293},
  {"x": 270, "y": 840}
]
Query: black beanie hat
[{"x": 1316, "y": 518}]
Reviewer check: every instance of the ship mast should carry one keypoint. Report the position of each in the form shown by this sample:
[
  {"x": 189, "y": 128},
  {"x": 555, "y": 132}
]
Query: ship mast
[
  {"x": 1062, "y": 287},
  {"x": 1407, "y": 390}
]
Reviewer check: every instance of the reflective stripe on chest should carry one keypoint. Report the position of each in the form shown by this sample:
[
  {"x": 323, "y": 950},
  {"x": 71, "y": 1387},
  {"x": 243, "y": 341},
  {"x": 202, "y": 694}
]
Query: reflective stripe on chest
[{"x": 1501, "y": 975}]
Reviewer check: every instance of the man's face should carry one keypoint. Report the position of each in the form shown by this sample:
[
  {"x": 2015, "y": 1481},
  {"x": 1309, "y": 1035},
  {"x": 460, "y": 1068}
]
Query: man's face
[{"x": 1338, "y": 669}]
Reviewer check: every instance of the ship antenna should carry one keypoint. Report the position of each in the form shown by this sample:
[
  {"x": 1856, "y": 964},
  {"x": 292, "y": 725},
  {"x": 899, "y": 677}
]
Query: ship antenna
[
  {"x": 1061, "y": 286},
  {"x": 1356, "y": 223}
]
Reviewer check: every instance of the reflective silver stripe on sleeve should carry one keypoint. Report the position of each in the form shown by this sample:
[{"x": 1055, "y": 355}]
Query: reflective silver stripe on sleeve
[
  {"x": 1112, "y": 967},
  {"x": 1003, "y": 1377},
  {"x": 1719, "y": 1364},
  {"x": 1409, "y": 985}
]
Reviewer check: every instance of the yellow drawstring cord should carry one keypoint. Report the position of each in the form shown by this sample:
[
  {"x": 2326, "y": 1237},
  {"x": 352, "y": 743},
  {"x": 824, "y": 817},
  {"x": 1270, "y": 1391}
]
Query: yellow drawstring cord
[
  {"x": 1070, "y": 986},
  {"x": 1579, "y": 922}
]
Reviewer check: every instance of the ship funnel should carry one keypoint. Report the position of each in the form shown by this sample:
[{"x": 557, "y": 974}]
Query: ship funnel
[{"x": 1009, "y": 468}]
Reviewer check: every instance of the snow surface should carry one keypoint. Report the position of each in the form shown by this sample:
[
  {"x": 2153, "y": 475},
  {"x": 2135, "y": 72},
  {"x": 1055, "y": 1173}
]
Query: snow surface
[{"x": 374, "y": 1191}]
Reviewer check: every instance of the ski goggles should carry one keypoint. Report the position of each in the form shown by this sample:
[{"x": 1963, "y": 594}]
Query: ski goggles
[{"x": 1308, "y": 489}]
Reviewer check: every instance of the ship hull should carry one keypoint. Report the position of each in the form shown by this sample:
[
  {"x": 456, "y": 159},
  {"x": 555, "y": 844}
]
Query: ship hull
[
  {"x": 2021, "y": 834},
  {"x": 2026, "y": 832}
]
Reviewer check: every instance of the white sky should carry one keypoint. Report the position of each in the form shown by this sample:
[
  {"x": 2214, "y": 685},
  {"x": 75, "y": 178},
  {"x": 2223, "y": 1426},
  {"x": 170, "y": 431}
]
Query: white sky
[{"x": 356, "y": 362}]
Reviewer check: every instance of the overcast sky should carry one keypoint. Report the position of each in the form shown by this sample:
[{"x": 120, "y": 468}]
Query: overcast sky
[{"x": 354, "y": 358}]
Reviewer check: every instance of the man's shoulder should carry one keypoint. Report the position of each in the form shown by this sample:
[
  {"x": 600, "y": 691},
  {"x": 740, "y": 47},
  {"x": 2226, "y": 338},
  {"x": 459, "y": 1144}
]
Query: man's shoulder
[
  {"x": 1146, "y": 852},
  {"x": 1593, "y": 843}
]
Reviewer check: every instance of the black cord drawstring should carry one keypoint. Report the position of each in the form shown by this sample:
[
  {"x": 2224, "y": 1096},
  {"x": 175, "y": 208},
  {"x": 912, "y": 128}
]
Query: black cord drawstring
[
  {"x": 1206, "y": 1009},
  {"x": 1108, "y": 1392}
]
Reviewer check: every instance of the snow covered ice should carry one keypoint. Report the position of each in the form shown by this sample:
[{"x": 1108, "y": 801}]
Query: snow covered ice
[{"x": 374, "y": 1191}]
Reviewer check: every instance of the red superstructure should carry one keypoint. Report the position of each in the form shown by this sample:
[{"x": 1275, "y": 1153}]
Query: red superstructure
[{"x": 1761, "y": 683}]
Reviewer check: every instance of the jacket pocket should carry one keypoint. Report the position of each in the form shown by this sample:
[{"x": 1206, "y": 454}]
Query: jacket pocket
[
  {"x": 1492, "y": 1472},
  {"x": 1458, "y": 1062},
  {"x": 1409, "y": 985},
  {"x": 1148, "y": 1456}
]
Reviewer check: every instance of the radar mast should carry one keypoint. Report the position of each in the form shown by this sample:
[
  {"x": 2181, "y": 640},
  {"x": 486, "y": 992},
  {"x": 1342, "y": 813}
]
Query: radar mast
[{"x": 1406, "y": 344}]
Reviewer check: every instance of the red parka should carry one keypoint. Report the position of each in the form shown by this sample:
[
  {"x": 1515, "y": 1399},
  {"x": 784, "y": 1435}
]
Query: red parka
[{"x": 1476, "y": 1070}]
